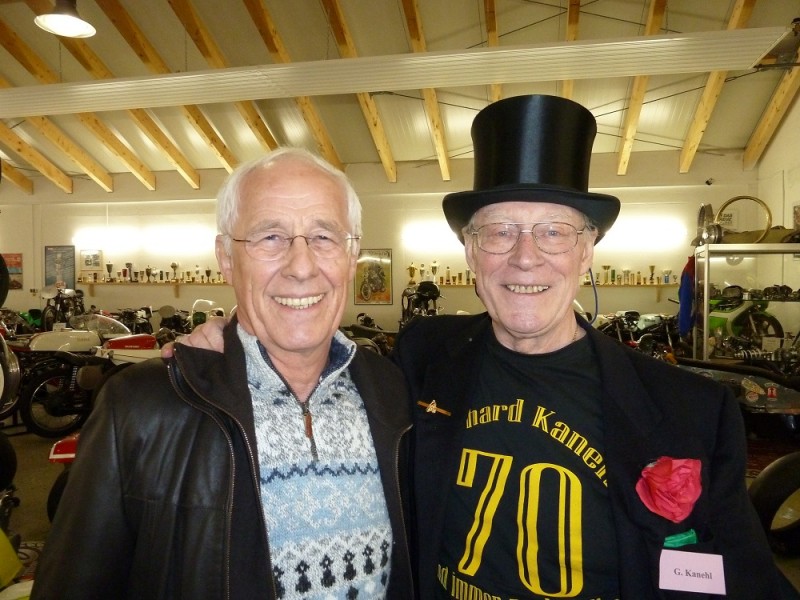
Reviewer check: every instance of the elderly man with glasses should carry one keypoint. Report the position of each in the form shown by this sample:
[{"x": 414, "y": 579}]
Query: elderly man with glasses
[
  {"x": 551, "y": 461},
  {"x": 270, "y": 471}
]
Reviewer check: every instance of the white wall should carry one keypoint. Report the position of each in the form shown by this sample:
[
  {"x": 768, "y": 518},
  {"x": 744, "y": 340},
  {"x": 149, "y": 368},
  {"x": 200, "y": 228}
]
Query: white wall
[{"x": 182, "y": 229}]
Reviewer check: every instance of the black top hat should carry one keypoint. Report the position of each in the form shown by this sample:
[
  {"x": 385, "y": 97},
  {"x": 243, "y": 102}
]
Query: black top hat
[{"x": 534, "y": 149}]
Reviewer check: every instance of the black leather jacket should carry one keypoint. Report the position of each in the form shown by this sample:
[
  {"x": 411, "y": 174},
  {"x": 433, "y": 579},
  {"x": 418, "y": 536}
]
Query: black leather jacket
[{"x": 163, "y": 499}]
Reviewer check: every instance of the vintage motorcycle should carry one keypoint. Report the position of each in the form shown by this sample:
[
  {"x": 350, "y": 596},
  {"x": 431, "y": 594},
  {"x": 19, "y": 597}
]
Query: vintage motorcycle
[
  {"x": 421, "y": 299},
  {"x": 61, "y": 305},
  {"x": 736, "y": 319},
  {"x": 53, "y": 399}
]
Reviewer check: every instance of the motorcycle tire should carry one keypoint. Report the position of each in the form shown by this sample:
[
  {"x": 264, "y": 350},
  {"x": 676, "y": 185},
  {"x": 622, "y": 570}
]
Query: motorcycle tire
[
  {"x": 105, "y": 377},
  {"x": 49, "y": 317},
  {"x": 760, "y": 325},
  {"x": 8, "y": 462},
  {"x": 366, "y": 291},
  {"x": 54, "y": 497},
  {"x": 9, "y": 384},
  {"x": 768, "y": 492},
  {"x": 34, "y": 412}
]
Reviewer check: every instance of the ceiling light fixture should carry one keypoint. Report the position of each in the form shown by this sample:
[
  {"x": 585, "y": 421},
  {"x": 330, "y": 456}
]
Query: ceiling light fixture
[{"x": 65, "y": 21}]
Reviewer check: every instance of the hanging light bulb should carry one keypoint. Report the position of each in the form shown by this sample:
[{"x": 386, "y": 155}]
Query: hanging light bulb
[{"x": 64, "y": 21}]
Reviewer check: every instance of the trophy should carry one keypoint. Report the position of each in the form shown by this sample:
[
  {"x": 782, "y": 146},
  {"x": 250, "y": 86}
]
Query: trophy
[
  {"x": 606, "y": 273},
  {"x": 208, "y": 274},
  {"x": 148, "y": 271},
  {"x": 666, "y": 273},
  {"x": 128, "y": 271},
  {"x": 412, "y": 269},
  {"x": 174, "y": 266},
  {"x": 434, "y": 269},
  {"x": 109, "y": 269},
  {"x": 652, "y": 273}
]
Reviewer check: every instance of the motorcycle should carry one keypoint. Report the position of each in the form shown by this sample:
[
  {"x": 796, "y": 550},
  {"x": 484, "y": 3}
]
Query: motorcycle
[
  {"x": 52, "y": 399},
  {"x": 137, "y": 320},
  {"x": 421, "y": 299},
  {"x": 174, "y": 319},
  {"x": 653, "y": 334},
  {"x": 368, "y": 334},
  {"x": 732, "y": 314},
  {"x": 61, "y": 305},
  {"x": 373, "y": 282}
]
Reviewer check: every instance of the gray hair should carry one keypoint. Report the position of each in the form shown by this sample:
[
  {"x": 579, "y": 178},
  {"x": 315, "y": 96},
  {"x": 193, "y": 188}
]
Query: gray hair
[{"x": 229, "y": 194}]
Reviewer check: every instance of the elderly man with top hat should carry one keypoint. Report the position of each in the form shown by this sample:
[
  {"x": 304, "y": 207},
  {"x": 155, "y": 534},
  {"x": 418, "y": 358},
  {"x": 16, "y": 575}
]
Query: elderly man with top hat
[{"x": 549, "y": 460}]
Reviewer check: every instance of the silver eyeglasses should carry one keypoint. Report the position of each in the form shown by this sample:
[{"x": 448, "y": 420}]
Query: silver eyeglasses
[
  {"x": 551, "y": 238},
  {"x": 273, "y": 246}
]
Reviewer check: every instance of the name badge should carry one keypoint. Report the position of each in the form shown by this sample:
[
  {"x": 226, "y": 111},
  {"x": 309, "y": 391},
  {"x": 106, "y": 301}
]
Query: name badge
[{"x": 691, "y": 572}]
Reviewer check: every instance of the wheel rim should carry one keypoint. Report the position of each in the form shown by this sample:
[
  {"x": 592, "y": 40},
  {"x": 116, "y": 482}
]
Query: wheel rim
[{"x": 38, "y": 412}]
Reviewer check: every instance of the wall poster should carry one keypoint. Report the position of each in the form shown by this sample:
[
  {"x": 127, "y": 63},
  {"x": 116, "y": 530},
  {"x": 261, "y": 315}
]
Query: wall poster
[
  {"x": 373, "y": 284},
  {"x": 59, "y": 266},
  {"x": 14, "y": 265}
]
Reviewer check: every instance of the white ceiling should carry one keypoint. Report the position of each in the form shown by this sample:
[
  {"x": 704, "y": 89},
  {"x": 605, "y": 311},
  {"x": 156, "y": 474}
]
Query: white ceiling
[{"x": 45, "y": 78}]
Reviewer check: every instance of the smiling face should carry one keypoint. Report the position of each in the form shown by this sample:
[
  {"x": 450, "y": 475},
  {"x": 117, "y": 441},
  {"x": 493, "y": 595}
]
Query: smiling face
[
  {"x": 527, "y": 292},
  {"x": 293, "y": 304}
]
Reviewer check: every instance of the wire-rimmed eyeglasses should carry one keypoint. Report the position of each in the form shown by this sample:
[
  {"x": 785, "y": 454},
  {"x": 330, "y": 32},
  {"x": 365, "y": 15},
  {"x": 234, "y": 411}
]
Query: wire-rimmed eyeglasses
[
  {"x": 550, "y": 238},
  {"x": 273, "y": 246}
]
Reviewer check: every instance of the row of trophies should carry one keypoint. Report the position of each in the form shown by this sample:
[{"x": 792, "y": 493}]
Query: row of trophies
[
  {"x": 130, "y": 274},
  {"x": 610, "y": 276},
  {"x": 431, "y": 273}
]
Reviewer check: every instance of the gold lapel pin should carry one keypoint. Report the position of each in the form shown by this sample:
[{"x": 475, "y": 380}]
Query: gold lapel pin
[{"x": 432, "y": 408}]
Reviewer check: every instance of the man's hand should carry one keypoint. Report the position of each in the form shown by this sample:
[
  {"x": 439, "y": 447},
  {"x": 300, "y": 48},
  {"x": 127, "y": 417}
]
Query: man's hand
[{"x": 207, "y": 336}]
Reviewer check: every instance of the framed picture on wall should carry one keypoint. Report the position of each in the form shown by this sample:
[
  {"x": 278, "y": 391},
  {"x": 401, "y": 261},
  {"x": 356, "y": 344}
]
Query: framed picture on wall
[
  {"x": 14, "y": 265},
  {"x": 373, "y": 283},
  {"x": 59, "y": 266}
]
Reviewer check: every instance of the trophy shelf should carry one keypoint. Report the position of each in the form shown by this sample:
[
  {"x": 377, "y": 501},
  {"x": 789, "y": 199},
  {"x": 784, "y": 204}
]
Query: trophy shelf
[{"x": 176, "y": 285}]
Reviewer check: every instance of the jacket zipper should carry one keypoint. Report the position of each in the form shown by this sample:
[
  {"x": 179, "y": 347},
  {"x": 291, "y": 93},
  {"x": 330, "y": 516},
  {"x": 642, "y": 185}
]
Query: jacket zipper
[{"x": 174, "y": 376}]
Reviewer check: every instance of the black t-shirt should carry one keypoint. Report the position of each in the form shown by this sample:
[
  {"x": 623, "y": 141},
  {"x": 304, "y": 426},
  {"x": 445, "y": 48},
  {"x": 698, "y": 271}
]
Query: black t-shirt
[{"x": 529, "y": 516}]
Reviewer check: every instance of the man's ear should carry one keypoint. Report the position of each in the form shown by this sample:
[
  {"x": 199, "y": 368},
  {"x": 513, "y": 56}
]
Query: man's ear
[
  {"x": 223, "y": 258},
  {"x": 588, "y": 250}
]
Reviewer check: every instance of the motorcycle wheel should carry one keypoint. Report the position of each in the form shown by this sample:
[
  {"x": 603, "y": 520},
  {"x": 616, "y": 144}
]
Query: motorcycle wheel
[
  {"x": 54, "y": 497},
  {"x": 768, "y": 492},
  {"x": 34, "y": 412},
  {"x": 49, "y": 317},
  {"x": 759, "y": 325},
  {"x": 366, "y": 291},
  {"x": 9, "y": 384}
]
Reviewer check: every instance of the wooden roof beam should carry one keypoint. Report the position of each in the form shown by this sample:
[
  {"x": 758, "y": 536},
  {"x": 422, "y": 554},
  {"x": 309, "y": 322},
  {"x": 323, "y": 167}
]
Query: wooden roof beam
[
  {"x": 417, "y": 40},
  {"x": 492, "y": 41},
  {"x": 209, "y": 49},
  {"x": 655, "y": 16},
  {"x": 15, "y": 176},
  {"x": 63, "y": 142},
  {"x": 272, "y": 40},
  {"x": 347, "y": 49},
  {"x": 150, "y": 57},
  {"x": 36, "y": 67},
  {"x": 35, "y": 158},
  {"x": 776, "y": 110},
  {"x": 573, "y": 19},
  {"x": 97, "y": 69},
  {"x": 711, "y": 92}
]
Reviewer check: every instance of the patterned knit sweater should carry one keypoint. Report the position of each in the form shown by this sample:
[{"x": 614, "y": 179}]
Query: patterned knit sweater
[{"x": 326, "y": 516}]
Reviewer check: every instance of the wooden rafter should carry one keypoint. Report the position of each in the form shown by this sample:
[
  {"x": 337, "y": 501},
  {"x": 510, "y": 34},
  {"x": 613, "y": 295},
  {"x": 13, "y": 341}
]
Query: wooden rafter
[
  {"x": 347, "y": 49},
  {"x": 16, "y": 177},
  {"x": 713, "y": 88},
  {"x": 573, "y": 20},
  {"x": 493, "y": 41},
  {"x": 148, "y": 54},
  {"x": 417, "y": 40},
  {"x": 37, "y": 67},
  {"x": 68, "y": 146},
  {"x": 779, "y": 104},
  {"x": 209, "y": 49},
  {"x": 277, "y": 50},
  {"x": 95, "y": 66},
  {"x": 35, "y": 158},
  {"x": 655, "y": 17}
]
